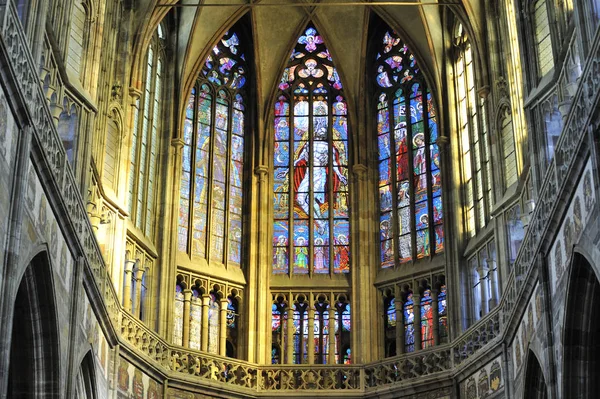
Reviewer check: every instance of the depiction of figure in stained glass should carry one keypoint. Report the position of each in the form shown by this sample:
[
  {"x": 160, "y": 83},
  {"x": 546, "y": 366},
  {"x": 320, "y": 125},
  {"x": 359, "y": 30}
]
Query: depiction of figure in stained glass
[
  {"x": 301, "y": 254},
  {"x": 320, "y": 261},
  {"x": 281, "y": 253},
  {"x": 426, "y": 319},
  {"x": 342, "y": 254},
  {"x": 420, "y": 162},
  {"x": 409, "y": 319},
  {"x": 321, "y": 174}
]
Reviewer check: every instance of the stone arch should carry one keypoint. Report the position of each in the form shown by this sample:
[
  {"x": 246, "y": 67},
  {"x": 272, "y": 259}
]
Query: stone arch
[
  {"x": 581, "y": 352},
  {"x": 535, "y": 383},
  {"x": 85, "y": 383},
  {"x": 34, "y": 369}
]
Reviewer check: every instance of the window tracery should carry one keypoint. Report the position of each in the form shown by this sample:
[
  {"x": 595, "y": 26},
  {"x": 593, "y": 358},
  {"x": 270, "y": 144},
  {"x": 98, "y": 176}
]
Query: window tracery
[
  {"x": 473, "y": 138},
  {"x": 410, "y": 187},
  {"x": 145, "y": 141},
  {"x": 211, "y": 194},
  {"x": 311, "y": 207},
  {"x": 311, "y": 329}
]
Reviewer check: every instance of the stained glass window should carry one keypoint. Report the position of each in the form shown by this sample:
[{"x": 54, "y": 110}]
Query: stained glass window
[
  {"x": 409, "y": 324},
  {"x": 278, "y": 329},
  {"x": 443, "y": 315},
  {"x": 324, "y": 328},
  {"x": 473, "y": 138},
  {"x": 145, "y": 140},
  {"x": 426, "y": 320},
  {"x": 213, "y": 323},
  {"x": 410, "y": 188},
  {"x": 390, "y": 326},
  {"x": 195, "y": 320},
  {"x": 211, "y": 190},
  {"x": 311, "y": 232}
]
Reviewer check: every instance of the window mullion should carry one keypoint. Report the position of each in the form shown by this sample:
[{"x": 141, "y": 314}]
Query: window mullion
[
  {"x": 468, "y": 69},
  {"x": 228, "y": 184},
  {"x": 393, "y": 162},
  {"x": 427, "y": 143},
  {"x": 291, "y": 170},
  {"x": 310, "y": 166},
  {"x": 209, "y": 205},
  {"x": 149, "y": 143},
  {"x": 411, "y": 175},
  {"x": 331, "y": 194}
]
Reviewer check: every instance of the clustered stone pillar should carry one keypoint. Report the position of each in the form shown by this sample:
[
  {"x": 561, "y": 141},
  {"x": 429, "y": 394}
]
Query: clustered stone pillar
[
  {"x": 205, "y": 304},
  {"x": 223, "y": 327},
  {"x": 436, "y": 316},
  {"x": 290, "y": 335},
  {"x": 399, "y": 306},
  {"x": 129, "y": 264},
  {"x": 187, "y": 298},
  {"x": 138, "y": 275},
  {"x": 417, "y": 320},
  {"x": 331, "y": 356},
  {"x": 483, "y": 285},
  {"x": 311, "y": 334}
]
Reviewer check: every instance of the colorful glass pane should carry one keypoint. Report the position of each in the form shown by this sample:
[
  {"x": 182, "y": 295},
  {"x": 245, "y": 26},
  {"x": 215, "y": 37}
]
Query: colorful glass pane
[
  {"x": 213, "y": 324},
  {"x": 311, "y": 163},
  {"x": 443, "y": 315},
  {"x": 426, "y": 320},
  {"x": 391, "y": 314},
  {"x": 409, "y": 330},
  {"x": 414, "y": 172},
  {"x": 213, "y": 157}
]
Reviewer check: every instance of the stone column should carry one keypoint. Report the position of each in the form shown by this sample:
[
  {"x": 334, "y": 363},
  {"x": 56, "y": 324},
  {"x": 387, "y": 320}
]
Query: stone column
[
  {"x": 223, "y": 327},
  {"x": 493, "y": 275},
  {"x": 399, "y": 305},
  {"x": 290, "y": 335},
  {"x": 187, "y": 298},
  {"x": 417, "y": 320},
  {"x": 129, "y": 264},
  {"x": 331, "y": 356},
  {"x": 204, "y": 337},
  {"x": 435, "y": 316},
  {"x": 139, "y": 275},
  {"x": 482, "y": 271},
  {"x": 311, "y": 334}
]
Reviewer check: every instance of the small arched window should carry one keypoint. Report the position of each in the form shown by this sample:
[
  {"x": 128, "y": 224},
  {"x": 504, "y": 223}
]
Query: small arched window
[
  {"x": 543, "y": 39},
  {"x": 211, "y": 190},
  {"x": 473, "y": 137},
  {"x": 508, "y": 149},
  {"x": 311, "y": 233},
  {"x": 145, "y": 141},
  {"x": 410, "y": 182},
  {"x": 79, "y": 37}
]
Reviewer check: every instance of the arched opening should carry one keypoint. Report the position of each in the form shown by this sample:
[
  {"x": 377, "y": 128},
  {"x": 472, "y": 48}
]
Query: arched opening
[
  {"x": 85, "y": 383},
  {"x": 34, "y": 353},
  {"x": 535, "y": 384},
  {"x": 582, "y": 325}
]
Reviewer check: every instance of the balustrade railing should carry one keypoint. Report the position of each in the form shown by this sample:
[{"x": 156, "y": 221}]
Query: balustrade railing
[{"x": 180, "y": 361}]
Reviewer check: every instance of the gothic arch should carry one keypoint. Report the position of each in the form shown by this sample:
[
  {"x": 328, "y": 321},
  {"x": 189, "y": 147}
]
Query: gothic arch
[
  {"x": 581, "y": 352},
  {"x": 85, "y": 382},
  {"x": 34, "y": 352},
  {"x": 535, "y": 383},
  {"x": 189, "y": 81}
]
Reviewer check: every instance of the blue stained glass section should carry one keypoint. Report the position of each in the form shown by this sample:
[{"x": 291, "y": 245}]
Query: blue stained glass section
[
  {"x": 282, "y": 128},
  {"x": 340, "y": 128},
  {"x": 409, "y": 330},
  {"x": 282, "y": 153}
]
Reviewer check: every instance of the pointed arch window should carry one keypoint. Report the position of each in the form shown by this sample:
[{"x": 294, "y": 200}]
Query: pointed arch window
[
  {"x": 213, "y": 157},
  {"x": 473, "y": 137},
  {"x": 311, "y": 232},
  {"x": 410, "y": 188},
  {"x": 145, "y": 141}
]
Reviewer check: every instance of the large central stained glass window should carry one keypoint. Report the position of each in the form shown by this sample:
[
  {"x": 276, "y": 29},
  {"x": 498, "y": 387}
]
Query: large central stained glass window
[
  {"x": 311, "y": 228},
  {"x": 410, "y": 187},
  {"x": 213, "y": 158}
]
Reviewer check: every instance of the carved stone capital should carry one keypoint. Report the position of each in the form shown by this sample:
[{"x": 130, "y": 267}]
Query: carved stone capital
[
  {"x": 261, "y": 171},
  {"x": 484, "y": 91},
  {"x": 360, "y": 170},
  {"x": 177, "y": 143},
  {"x": 442, "y": 141}
]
